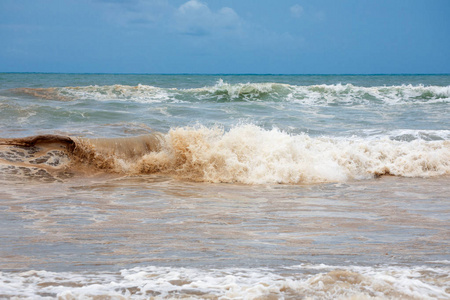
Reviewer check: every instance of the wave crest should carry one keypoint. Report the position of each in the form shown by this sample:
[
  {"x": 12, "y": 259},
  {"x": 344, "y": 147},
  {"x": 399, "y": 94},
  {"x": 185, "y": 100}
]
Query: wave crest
[
  {"x": 352, "y": 95},
  {"x": 251, "y": 155},
  {"x": 337, "y": 94},
  {"x": 223, "y": 91},
  {"x": 245, "y": 154}
]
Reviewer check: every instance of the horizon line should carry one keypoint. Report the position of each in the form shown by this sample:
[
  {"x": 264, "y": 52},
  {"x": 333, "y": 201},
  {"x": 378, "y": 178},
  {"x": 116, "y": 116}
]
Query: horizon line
[{"x": 235, "y": 74}]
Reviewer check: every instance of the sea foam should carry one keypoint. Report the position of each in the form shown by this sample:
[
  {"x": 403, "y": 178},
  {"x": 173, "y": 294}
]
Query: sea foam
[
  {"x": 244, "y": 154},
  {"x": 334, "y": 94},
  {"x": 252, "y": 155},
  {"x": 325, "y": 282}
]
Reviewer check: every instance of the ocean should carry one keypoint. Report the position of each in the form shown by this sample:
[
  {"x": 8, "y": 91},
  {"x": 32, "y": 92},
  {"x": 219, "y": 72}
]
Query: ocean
[{"x": 124, "y": 186}]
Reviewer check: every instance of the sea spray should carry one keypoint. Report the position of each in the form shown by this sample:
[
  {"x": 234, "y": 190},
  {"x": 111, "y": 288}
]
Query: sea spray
[{"x": 251, "y": 155}]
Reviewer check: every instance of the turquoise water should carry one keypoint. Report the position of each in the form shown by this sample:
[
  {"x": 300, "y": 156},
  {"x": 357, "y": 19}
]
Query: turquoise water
[
  {"x": 109, "y": 105},
  {"x": 225, "y": 186}
]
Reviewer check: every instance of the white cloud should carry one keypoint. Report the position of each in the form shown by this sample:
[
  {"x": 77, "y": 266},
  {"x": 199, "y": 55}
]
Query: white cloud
[
  {"x": 195, "y": 18},
  {"x": 296, "y": 10}
]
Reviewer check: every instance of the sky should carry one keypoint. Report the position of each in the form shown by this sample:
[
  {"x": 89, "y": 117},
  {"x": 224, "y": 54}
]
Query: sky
[{"x": 225, "y": 36}]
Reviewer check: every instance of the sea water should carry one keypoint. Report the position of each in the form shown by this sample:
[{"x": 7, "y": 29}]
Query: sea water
[{"x": 224, "y": 186}]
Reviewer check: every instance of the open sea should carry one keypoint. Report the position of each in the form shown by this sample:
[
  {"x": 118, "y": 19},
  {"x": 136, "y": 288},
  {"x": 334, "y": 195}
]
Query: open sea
[{"x": 224, "y": 186}]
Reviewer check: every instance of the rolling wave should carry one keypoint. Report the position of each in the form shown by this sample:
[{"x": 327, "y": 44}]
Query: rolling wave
[
  {"x": 248, "y": 154},
  {"x": 337, "y": 94}
]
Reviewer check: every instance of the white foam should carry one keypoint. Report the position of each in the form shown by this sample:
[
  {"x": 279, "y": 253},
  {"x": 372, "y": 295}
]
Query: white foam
[
  {"x": 252, "y": 155},
  {"x": 336, "y": 94},
  {"x": 304, "y": 281},
  {"x": 246, "y": 91},
  {"x": 139, "y": 93},
  {"x": 351, "y": 95}
]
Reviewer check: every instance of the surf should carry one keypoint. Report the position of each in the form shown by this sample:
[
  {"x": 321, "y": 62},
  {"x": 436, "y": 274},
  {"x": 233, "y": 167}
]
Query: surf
[
  {"x": 303, "y": 281},
  {"x": 245, "y": 154},
  {"x": 319, "y": 94}
]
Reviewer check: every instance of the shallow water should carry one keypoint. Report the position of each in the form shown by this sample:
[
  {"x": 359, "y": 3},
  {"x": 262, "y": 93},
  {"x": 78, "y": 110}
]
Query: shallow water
[
  {"x": 137, "y": 220},
  {"x": 91, "y": 230}
]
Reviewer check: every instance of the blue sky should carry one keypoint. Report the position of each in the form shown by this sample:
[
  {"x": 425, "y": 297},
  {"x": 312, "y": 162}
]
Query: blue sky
[{"x": 225, "y": 36}]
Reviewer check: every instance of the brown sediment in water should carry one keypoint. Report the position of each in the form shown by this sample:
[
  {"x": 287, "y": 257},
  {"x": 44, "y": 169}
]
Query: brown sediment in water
[
  {"x": 244, "y": 155},
  {"x": 54, "y": 154},
  {"x": 39, "y": 139},
  {"x": 115, "y": 154},
  {"x": 43, "y": 93},
  {"x": 43, "y": 158},
  {"x": 145, "y": 154}
]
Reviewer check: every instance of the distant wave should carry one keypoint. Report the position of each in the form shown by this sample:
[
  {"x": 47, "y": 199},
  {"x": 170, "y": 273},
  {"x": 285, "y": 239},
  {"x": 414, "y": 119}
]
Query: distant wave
[
  {"x": 251, "y": 155},
  {"x": 337, "y": 94}
]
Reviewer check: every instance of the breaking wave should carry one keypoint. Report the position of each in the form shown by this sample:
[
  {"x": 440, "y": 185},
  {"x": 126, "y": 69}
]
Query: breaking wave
[
  {"x": 298, "y": 282},
  {"x": 337, "y": 94},
  {"x": 251, "y": 155}
]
